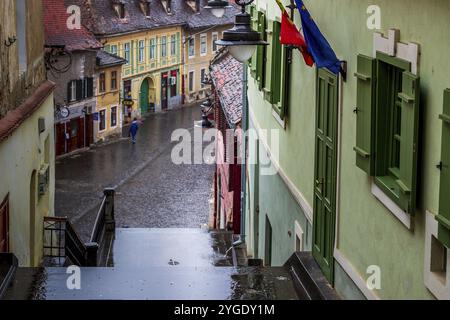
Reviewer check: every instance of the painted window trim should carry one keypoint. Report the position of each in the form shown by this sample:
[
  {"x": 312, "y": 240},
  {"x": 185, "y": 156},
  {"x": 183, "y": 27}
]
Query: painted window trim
[
  {"x": 117, "y": 117},
  {"x": 205, "y": 37},
  {"x": 116, "y": 51},
  {"x": 214, "y": 34},
  {"x": 202, "y": 71},
  {"x": 141, "y": 49},
  {"x": 402, "y": 216},
  {"x": 153, "y": 44},
  {"x": 193, "y": 81},
  {"x": 173, "y": 45},
  {"x": 276, "y": 116},
  {"x": 106, "y": 120},
  {"x": 432, "y": 282},
  {"x": 125, "y": 51},
  {"x": 193, "y": 46}
]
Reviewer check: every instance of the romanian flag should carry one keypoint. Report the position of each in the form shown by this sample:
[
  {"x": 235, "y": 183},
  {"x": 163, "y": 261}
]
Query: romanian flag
[{"x": 290, "y": 35}]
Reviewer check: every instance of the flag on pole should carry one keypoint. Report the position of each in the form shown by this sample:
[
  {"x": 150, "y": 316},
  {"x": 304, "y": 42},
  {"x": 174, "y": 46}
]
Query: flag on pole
[
  {"x": 289, "y": 35},
  {"x": 318, "y": 46}
]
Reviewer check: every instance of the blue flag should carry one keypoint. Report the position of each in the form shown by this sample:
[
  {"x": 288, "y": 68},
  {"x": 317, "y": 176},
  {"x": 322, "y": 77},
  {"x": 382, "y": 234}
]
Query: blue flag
[{"x": 318, "y": 46}]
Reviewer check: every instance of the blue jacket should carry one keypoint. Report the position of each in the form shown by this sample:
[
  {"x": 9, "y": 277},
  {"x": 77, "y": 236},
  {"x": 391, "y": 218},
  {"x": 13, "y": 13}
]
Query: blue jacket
[{"x": 134, "y": 128}]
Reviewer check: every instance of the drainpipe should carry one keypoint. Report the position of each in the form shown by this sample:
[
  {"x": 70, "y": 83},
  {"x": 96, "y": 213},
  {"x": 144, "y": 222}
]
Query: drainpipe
[{"x": 245, "y": 125}]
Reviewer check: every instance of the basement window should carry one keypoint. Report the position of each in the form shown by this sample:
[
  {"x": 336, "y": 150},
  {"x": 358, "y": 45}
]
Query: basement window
[{"x": 438, "y": 265}]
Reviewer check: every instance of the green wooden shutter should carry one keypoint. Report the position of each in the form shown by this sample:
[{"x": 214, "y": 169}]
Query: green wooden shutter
[
  {"x": 261, "y": 52},
  {"x": 282, "y": 105},
  {"x": 254, "y": 18},
  {"x": 365, "y": 113},
  {"x": 268, "y": 62},
  {"x": 409, "y": 96},
  {"x": 444, "y": 199},
  {"x": 276, "y": 64}
]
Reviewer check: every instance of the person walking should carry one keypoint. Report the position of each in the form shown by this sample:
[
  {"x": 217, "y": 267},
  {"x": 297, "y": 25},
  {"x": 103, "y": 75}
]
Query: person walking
[{"x": 134, "y": 130}]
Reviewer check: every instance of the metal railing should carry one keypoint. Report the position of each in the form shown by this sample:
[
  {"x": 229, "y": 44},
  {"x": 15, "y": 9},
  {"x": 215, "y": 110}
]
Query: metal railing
[{"x": 62, "y": 242}]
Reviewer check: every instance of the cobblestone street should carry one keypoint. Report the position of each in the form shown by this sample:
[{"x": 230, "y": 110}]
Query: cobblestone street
[{"x": 152, "y": 192}]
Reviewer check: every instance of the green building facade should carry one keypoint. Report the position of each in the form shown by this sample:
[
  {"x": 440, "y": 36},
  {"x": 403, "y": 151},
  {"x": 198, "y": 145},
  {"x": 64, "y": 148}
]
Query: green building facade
[{"x": 362, "y": 160}]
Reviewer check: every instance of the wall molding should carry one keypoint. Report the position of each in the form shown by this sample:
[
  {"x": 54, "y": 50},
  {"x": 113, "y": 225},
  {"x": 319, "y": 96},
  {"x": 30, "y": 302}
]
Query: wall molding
[
  {"x": 353, "y": 273},
  {"x": 432, "y": 282},
  {"x": 298, "y": 196}
]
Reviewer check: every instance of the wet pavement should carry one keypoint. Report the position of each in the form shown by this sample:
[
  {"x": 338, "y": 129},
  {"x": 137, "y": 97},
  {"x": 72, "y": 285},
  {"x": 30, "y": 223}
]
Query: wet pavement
[
  {"x": 161, "y": 264},
  {"x": 152, "y": 192}
]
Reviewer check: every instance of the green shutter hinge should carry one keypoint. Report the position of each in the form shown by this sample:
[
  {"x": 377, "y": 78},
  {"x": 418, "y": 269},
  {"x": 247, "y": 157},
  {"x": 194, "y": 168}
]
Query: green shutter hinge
[{"x": 441, "y": 166}]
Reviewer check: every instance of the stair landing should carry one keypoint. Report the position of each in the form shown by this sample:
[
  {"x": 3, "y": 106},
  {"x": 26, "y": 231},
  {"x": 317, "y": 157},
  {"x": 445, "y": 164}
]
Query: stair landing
[{"x": 161, "y": 264}]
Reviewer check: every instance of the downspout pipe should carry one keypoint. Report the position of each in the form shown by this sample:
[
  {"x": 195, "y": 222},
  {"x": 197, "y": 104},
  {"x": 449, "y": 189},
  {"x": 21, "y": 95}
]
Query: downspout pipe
[{"x": 245, "y": 125}]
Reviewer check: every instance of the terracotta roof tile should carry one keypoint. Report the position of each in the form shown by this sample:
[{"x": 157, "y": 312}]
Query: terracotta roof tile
[
  {"x": 227, "y": 73},
  {"x": 56, "y": 30}
]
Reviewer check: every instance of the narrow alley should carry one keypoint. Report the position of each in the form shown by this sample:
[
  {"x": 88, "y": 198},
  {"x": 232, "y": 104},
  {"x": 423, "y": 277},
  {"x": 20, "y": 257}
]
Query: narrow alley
[{"x": 152, "y": 192}]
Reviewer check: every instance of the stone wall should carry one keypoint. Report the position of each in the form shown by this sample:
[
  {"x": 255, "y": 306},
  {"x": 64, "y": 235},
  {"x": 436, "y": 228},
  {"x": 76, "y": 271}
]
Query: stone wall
[{"x": 15, "y": 88}]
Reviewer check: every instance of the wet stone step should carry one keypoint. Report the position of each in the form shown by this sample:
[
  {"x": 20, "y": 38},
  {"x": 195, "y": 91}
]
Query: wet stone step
[{"x": 137, "y": 248}]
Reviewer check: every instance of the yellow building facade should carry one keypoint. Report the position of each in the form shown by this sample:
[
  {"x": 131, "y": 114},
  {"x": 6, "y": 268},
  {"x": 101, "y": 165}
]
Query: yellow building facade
[
  {"x": 200, "y": 49},
  {"x": 109, "y": 105},
  {"x": 151, "y": 75}
]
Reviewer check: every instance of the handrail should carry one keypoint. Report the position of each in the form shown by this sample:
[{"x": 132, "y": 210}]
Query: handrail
[
  {"x": 10, "y": 261},
  {"x": 99, "y": 222},
  {"x": 83, "y": 254}
]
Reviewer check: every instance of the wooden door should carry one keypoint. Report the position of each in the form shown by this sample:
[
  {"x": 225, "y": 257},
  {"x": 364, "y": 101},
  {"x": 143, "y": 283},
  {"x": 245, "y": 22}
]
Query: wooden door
[
  {"x": 164, "y": 91},
  {"x": 4, "y": 225},
  {"x": 81, "y": 133},
  {"x": 325, "y": 171},
  {"x": 60, "y": 145},
  {"x": 89, "y": 125}
]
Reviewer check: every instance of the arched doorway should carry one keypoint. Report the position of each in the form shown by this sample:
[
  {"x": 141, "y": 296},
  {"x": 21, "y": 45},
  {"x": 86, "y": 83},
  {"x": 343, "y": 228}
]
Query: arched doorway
[
  {"x": 147, "y": 96},
  {"x": 33, "y": 194}
]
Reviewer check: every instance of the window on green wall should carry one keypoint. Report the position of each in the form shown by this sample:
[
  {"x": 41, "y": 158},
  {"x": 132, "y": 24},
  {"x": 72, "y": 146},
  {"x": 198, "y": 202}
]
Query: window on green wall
[
  {"x": 444, "y": 200},
  {"x": 173, "y": 45},
  {"x": 164, "y": 46},
  {"x": 152, "y": 49},
  {"x": 387, "y": 126}
]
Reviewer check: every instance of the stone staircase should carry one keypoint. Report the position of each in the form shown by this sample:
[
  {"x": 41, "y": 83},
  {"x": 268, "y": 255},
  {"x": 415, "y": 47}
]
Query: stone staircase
[{"x": 162, "y": 264}]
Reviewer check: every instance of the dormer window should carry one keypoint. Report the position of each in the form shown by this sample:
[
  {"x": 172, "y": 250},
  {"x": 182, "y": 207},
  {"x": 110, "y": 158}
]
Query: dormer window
[
  {"x": 145, "y": 7},
  {"x": 167, "y": 4},
  {"x": 119, "y": 7}
]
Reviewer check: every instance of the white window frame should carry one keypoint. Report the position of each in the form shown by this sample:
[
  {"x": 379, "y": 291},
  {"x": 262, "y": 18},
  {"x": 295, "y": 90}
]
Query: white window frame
[
  {"x": 191, "y": 38},
  {"x": 115, "y": 50},
  {"x": 214, "y": 35},
  {"x": 153, "y": 49},
  {"x": 438, "y": 286},
  {"x": 164, "y": 46},
  {"x": 202, "y": 72},
  {"x": 173, "y": 45},
  {"x": 117, "y": 118},
  {"x": 141, "y": 51},
  {"x": 73, "y": 91},
  {"x": 193, "y": 81},
  {"x": 99, "y": 120},
  {"x": 127, "y": 51},
  {"x": 203, "y": 36}
]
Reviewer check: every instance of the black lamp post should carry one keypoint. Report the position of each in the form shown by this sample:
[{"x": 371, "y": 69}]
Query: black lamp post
[{"x": 241, "y": 40}]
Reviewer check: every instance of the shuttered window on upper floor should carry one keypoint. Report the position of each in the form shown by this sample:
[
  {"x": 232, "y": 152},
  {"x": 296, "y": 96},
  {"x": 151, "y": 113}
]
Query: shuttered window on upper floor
[
  {"x": 444, "y": 199},
  {"x": 387, "y": 126}
]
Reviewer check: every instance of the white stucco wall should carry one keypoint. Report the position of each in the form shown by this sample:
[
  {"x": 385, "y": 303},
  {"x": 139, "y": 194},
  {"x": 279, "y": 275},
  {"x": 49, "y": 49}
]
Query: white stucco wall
[{"x": 21, "y": 154}]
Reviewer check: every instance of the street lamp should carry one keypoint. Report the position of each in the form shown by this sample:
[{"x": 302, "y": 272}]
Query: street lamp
[
  {"x": 218, "y": 7},
  {"x": 241, "y": 40}
]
